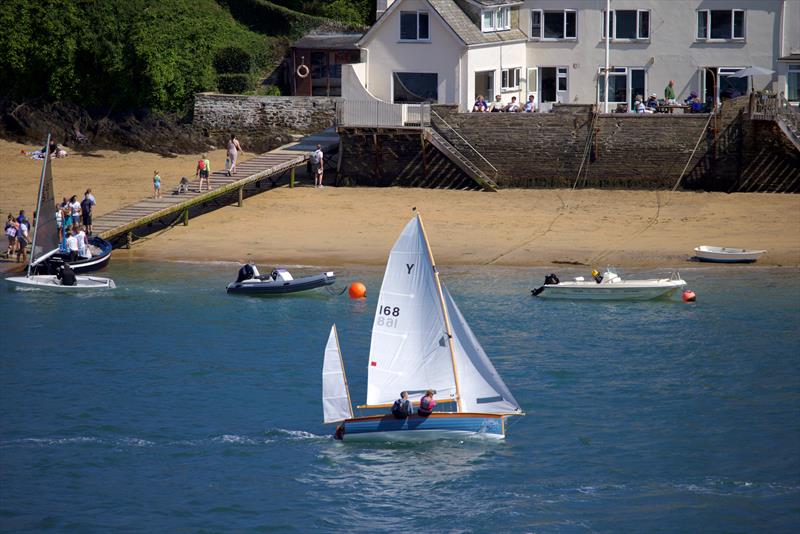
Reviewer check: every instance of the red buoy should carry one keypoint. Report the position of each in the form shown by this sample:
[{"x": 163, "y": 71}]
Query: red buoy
[
  {"x": 357, "y": 290},
  {"x": 689, "y": 295}
]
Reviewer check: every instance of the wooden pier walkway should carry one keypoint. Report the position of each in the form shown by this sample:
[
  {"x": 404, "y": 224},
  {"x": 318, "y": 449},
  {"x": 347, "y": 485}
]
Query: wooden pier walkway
[{"x": 119, "y": 226}]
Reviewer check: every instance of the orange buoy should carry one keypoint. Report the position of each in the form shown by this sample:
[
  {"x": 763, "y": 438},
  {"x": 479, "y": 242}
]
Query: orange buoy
[
  {"x": 357, "y": 290},
  {"x": 689, "y": 296}
]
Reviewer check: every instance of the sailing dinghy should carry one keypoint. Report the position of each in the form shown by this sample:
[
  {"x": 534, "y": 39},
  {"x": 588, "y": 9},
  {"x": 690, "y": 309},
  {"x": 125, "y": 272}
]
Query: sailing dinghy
[
  {"x": 45, "y": 231},
  {"x": 420, "y": 341}
]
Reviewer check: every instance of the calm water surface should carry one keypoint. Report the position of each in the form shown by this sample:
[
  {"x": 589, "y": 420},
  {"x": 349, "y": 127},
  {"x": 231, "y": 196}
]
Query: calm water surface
[{"x": 167, "y": 405}]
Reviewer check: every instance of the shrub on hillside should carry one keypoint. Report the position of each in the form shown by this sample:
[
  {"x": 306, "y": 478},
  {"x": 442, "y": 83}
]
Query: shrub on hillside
[
  {"x": 232, "y": 59},
  {"x": 234, "y": 84}
]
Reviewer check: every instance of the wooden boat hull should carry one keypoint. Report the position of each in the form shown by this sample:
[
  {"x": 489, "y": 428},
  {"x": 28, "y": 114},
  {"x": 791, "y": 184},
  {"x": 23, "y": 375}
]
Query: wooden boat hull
[
  {"x": 49, "y": 282},
  {"x": 726, "y": 255},
  {"x": 83, "y": 265},
  {"x": 640, "y": 290},
  {"x": 415, "y": 428},
  {"x": 280, "y": 287}
]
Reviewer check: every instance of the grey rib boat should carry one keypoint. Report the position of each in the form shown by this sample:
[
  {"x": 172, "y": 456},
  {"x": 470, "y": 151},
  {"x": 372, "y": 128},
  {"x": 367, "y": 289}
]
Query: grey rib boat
[{"x": 280, "y": 281}]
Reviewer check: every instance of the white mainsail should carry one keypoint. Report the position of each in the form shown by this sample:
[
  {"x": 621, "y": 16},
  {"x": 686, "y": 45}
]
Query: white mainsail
[
  {"x": 482, "y": 390},
  {"x": 335, "y": 395},
  {"x": 410, "y": 347}
]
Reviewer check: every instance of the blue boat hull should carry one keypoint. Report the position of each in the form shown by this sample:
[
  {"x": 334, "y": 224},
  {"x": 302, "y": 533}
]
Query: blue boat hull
[{"x": 416, "y": 428}]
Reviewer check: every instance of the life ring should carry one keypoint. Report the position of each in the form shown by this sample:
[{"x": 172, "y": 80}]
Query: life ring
[{"x": 302, "y": 71}]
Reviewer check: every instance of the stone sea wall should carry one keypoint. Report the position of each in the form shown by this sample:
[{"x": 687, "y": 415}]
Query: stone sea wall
[{"x": 262, "y": 115}]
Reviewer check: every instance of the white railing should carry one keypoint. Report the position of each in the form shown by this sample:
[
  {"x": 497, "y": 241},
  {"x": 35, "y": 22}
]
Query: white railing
[{"x": 372, "y": 114}]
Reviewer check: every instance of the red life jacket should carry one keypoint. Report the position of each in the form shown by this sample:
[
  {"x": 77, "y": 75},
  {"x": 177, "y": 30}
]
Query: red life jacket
[
  {"x": 426, "y": 405},
  {"x": 201, "y": 165}
]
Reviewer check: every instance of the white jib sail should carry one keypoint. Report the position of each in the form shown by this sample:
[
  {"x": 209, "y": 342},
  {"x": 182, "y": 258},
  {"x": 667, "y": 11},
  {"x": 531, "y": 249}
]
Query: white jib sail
[
  {"x": 482, "y": 389},
  {"x": 409, "y": 349},
  {"x": 335, "y": 396}
]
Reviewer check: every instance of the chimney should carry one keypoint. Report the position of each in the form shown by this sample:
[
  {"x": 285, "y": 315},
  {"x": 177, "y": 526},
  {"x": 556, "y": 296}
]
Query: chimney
[{"x": 381, "y": 6}]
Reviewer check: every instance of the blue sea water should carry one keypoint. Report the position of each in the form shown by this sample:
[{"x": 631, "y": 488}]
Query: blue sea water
[{"x": 167, "y": 405}]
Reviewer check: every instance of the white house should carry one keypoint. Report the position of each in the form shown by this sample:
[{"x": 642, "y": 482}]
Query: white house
[{"x": 450, "y": 51}]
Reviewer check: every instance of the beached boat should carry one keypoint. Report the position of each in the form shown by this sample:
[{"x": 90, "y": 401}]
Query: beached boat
[
  {"x": 43, "y": 232},
  {"x": 420, "y": 341},
  {"x": 279, "y": 282},
  {"x": 726, "y": 254},
  {"x": 609, "y": 286}
]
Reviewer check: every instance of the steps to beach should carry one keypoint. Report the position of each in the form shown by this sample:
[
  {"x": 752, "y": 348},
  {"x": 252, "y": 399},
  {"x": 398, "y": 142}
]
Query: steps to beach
[{"x": 446, "y": 148}]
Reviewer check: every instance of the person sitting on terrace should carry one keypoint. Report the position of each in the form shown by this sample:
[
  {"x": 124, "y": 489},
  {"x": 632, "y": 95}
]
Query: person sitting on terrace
[
  {"x": 652, "y": 102},
  {"x": 497, "y": 105},
  {"x": 480, "y": 105},
  {"x": 638, "y": 105},
  {"x": 513, "y": 106},
  {"x": 530, "y": 105},
  {"x": 694, "y": 101}
]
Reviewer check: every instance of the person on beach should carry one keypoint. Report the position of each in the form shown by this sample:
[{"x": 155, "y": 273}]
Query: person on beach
[
  {"x": 83, "y": 244},
  {"x": 427, "y": 403},
  {"x": 156, "y": 185},
  {"x": 90, "y": 196},
  {"x": 60, "y": 222},
  {"x": 75, "y": 211},
  {"x": 21, "y": 218},
  {"x": 202, "y": 171},
  {"x": 402, "y": 407},
  {"x": 22, "y": 242},
  {"x": 86, "y": 211},
  {"x": 72, "y": 246},
  {"x": 317, "y": 159},
  {"x": 11, "y": 234},
  {"x": 233, "y": 152}
]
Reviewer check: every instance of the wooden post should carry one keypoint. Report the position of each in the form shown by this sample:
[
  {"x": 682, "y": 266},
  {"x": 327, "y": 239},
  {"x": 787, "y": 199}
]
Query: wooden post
[
  {"x": 241, "y": 196},
  {"x": 291, "y": 178},
  {"x": 186, "y": 217},
  {"x": 424, "y": 156},
  {"x": 129, "y": 240}
]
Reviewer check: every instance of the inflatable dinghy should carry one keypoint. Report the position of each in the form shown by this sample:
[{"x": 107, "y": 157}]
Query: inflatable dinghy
[{"x": 278, "y": 282}]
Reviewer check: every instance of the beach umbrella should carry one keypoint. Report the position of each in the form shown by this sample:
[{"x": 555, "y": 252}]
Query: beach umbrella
[{"x": 750, "y": 72}]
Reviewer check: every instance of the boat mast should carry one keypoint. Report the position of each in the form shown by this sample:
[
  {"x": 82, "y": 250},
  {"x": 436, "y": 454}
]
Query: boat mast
[
  {"x": 39, "y": 203},
  {"x": 344, "y": 374},
  {"x": 444, "y": 311}
]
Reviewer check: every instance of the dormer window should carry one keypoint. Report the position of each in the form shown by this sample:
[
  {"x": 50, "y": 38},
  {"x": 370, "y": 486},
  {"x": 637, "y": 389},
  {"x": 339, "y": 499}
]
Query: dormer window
[{"x": 496, "y": 19}]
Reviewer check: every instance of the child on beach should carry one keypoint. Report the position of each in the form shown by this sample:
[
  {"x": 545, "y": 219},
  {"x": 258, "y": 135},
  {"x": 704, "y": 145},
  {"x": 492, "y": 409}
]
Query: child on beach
[
  {"x": 156, "y": 185},
  {"x": 202, "y": 172}
]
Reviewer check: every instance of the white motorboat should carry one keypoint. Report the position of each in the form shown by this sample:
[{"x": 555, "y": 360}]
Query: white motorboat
[
  {"x": 608, "y": 286},
  {"x": 64, "y": 279},
  {"x": 727, "y": 254}
]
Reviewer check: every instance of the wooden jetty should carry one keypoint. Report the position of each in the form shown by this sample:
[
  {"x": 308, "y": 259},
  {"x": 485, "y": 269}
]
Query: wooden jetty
[{"x": 120, "y": 226}]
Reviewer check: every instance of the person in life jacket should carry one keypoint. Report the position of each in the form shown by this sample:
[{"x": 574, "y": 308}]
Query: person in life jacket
[
  {"x": 427, "y": 403},
  {"x": 66, "y": 275},
  {"x": 597, "y": 276},
  {"x": 402, "y": 407}
]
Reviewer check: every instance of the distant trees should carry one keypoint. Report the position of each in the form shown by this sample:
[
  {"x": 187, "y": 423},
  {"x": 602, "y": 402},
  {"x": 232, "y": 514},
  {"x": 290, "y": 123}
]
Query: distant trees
[{"x": 155, "y": 54}]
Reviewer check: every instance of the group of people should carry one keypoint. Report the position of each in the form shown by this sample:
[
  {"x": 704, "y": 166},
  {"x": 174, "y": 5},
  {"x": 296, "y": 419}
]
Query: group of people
[
  {"x": 17, "y": 230},
  {"x": 403, "y": 407},
  {"x": 56, "y": 151},
  {"x": 498, "y": 106},
  {"x": 74, "y": 222}
]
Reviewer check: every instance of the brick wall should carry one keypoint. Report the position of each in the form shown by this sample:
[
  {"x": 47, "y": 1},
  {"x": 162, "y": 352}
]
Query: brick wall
[{"x": 258, "y": 115}]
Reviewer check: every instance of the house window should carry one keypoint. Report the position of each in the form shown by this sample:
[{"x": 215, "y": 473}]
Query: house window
[
  {"x": 510, "y": 79},
  {"x": 562, "y": 78},
  {"x": 554, "y": 25},
  {"x": 720, "y": 25},
  {"x": 496, "y": 19},
  {"x": 415, "y": 87},
  {"x": 414, "y": 26},
  {"x": 624, "y": 85},
  {"x": 793, "y": 83},
  {"x": 628, "y": 24}
]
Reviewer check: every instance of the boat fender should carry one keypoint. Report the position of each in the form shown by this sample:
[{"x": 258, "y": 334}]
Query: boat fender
[{"x": 689, "y": 295}]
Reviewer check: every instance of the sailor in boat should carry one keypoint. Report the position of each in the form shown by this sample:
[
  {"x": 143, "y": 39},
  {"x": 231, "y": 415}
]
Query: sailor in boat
[
  {"x": 247, "y": 272},
  {"x": 402, "y": 407},
  {"x": 427, "y": 403},
  {"x": 66, "y": 275},
  {"x": 597, "y": 276}
]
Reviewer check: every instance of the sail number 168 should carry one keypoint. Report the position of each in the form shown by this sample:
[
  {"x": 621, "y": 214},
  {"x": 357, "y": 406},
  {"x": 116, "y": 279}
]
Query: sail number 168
[
  {"x": 387, "y": 316},
  {"x": 388, "y": 310}
]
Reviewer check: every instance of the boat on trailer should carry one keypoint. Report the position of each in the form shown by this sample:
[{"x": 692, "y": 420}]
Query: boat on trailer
[
  {"x": 279, "y": 282},
  {"x": 420, "y": 341},
  {"x": 608, "y": 286},
  {"x": 44, "y": 232},
  {"x": 726, "y": 254}
]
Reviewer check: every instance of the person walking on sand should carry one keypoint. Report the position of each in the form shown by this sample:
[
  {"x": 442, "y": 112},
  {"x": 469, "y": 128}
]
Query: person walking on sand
[
  {"x": 233, "y": 151},
  {"x": 317, "y": 159},
  {"x": 22, "y": 242},
  {"x": 156, "y": 185},
  {"x": 11, "y": 234},
  {"x": 203, "y": 170}
]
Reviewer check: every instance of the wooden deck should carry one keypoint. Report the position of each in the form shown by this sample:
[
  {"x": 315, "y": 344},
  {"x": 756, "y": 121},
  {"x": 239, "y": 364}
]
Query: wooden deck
[{"x": 119, "y": 226}]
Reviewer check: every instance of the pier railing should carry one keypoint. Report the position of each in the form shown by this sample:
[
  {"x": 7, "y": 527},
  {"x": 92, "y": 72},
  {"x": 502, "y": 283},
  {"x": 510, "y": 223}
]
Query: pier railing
[
  {"x": 775, "y": 107},
  {"x": 377, "y": 114}
]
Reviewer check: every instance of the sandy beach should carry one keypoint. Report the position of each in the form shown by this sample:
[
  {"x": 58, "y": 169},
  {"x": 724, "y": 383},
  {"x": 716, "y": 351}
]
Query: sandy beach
[{"x": 340, "y": 226}]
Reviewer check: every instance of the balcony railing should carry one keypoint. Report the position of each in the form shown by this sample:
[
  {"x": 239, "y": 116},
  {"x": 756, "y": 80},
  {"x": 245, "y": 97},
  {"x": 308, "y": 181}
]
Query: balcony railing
[{"x": 377, "y": 114}]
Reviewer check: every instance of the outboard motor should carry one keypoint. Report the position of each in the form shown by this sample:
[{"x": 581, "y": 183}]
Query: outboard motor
[{"x": 245, "y": 273}]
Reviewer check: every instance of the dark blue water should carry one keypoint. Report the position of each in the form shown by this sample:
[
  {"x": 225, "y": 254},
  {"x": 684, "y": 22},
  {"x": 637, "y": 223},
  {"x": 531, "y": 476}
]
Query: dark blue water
[{"x": 169, "y": 406}]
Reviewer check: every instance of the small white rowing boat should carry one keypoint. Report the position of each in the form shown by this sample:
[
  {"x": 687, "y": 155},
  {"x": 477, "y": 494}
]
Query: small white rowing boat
[
  {"x": 609, "y": 286},
  {"x": 727, "y": 254}
]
